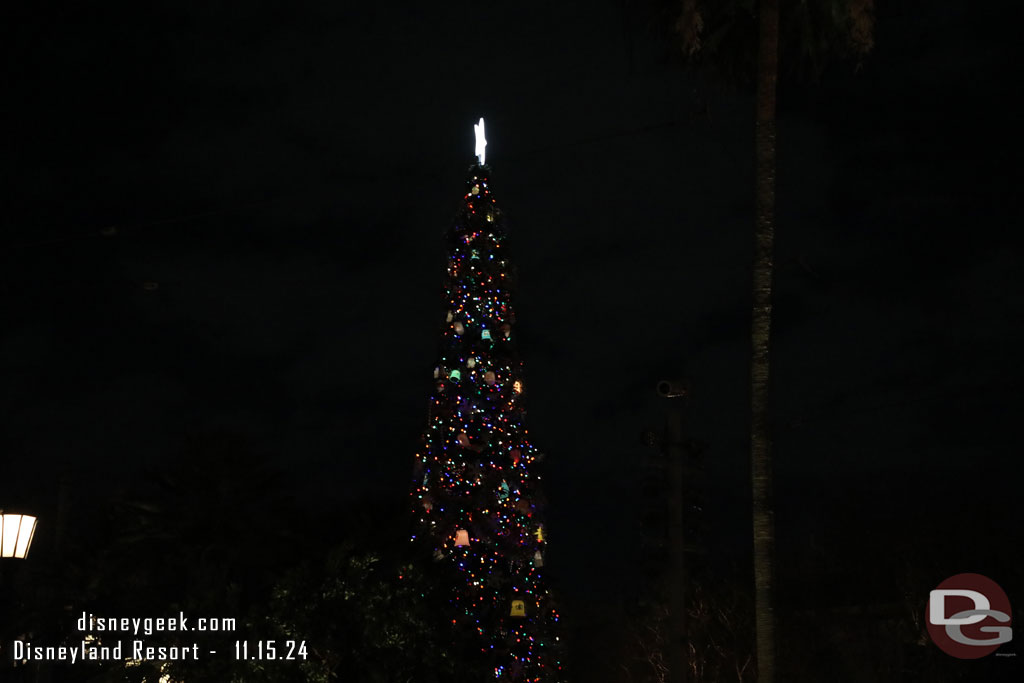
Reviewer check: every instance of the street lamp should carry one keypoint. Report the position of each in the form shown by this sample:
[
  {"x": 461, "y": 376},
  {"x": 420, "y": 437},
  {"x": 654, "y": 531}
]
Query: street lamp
[
  {"x": 673, "y": 388},
  {"x": 16, "y": 532}
]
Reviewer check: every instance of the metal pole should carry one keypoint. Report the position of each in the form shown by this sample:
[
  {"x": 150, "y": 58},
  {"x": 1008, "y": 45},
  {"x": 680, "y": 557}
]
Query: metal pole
[{"x": 678, "y": 640}]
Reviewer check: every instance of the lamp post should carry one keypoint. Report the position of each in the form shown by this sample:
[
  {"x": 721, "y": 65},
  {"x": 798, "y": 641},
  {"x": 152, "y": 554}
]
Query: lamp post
[
  {"x": 679, "y": 645},
  {"x": 16, "y": 532}
]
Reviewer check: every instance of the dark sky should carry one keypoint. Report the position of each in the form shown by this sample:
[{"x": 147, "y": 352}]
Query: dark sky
[{"x": 228, "y": 217}]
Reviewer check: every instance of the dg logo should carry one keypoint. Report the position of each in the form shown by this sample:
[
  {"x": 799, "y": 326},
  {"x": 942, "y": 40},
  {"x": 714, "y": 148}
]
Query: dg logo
[{"x": 968, "y": 616}]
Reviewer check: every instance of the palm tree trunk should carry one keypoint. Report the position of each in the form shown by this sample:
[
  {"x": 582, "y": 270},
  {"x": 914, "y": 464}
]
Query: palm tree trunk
[{"x": 760, "y": 445}]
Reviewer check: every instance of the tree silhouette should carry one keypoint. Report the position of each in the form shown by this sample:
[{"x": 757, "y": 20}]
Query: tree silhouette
[{"x": 743, "y": 40}]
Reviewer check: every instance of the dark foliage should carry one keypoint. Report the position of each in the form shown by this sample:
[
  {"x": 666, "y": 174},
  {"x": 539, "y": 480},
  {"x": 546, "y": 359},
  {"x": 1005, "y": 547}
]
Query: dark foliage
[{"x": 814, "y": 35}]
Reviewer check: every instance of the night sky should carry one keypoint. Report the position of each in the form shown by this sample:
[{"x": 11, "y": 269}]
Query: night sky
[{"x": 228, "y": 218}]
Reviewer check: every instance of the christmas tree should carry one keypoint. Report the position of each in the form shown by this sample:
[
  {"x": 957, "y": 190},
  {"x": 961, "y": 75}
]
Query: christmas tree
[{"x": 477, "y": 496}]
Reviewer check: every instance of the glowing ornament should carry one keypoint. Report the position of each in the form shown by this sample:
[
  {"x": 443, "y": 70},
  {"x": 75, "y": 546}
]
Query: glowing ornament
[
  {"x": 481, "y": 141},
  {"x": 517, "y": 387},
  {"x": 538, "y": 559},
  {"x": 518, "y": 609},
  {"x": 427, "y": 505},
  {"x": 506, "y": 330},
  {"x": 459, "y": 328},
  {"x": 471, "y": 363},
  {"x": 450, "y": 317},
  {"x": 503, "y": 491},
  {"x": 455, "y": 376},
  {"x": 540, "y": 534},
  {"x": 486, "y": 334},
  {"x": 461, "y": 537},
  {"x": 437, "y": 372},
  {"x": 490, "y": 377},
  {"x": 463, "y": 439},
  {"x": 516, "y": 454}
]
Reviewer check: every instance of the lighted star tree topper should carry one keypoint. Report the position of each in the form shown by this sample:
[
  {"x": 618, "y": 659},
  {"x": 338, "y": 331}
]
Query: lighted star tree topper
[{"x": 476, "y": 495}]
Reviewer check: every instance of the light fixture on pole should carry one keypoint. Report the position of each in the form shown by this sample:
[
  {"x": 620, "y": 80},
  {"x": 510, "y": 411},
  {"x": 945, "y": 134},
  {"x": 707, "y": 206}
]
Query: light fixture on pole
[{"x": 16, "y": 532}]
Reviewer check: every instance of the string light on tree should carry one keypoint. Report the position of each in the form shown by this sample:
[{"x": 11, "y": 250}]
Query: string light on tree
[{"x": 476, "y": 495}]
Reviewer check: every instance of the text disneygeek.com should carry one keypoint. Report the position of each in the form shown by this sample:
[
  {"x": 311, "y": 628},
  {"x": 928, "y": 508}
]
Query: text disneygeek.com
[{"x": 90, "y": 623}]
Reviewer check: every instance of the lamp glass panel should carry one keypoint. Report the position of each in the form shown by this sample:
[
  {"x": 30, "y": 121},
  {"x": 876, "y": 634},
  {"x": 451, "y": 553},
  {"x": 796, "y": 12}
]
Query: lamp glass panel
[
  {"x": 28, "y": 530},
  {"x": 11, "y": 526}
]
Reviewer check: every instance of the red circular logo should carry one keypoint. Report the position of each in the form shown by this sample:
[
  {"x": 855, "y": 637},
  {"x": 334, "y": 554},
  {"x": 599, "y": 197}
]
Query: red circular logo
[{"x": 968, "y": 616}]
